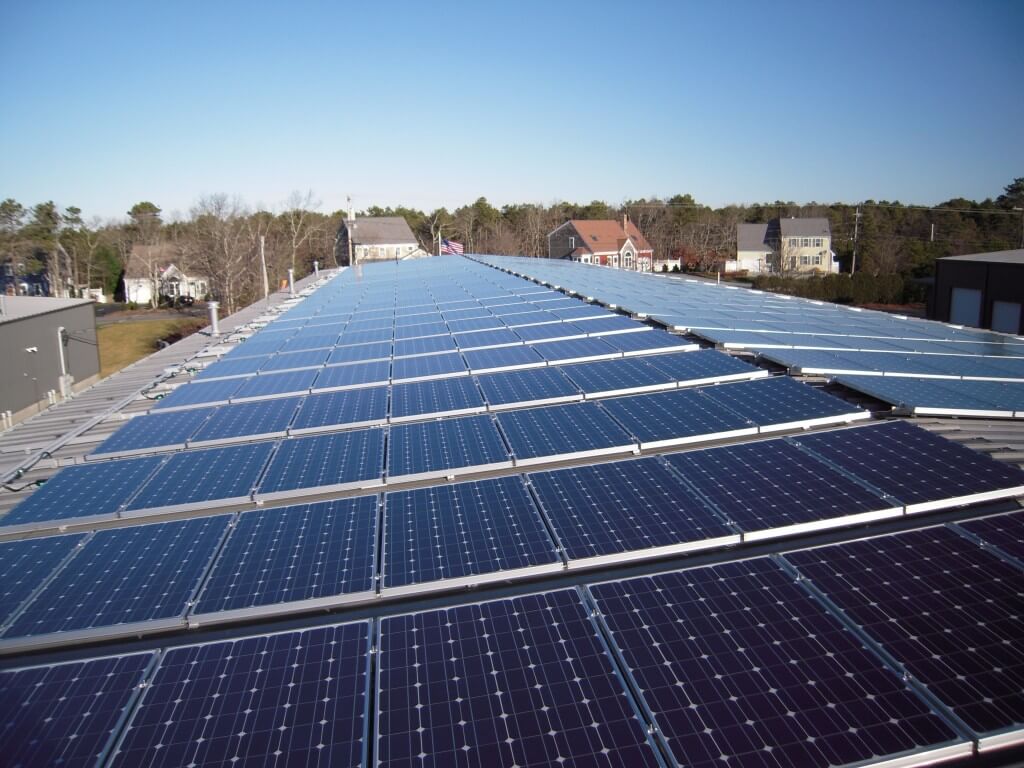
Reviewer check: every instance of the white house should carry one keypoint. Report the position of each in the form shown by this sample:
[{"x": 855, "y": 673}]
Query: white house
[
  {"x": 784, "y": 246},
  {"x": 151, "y": 273}
]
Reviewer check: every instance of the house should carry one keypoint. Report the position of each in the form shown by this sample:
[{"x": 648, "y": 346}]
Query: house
[
  {"x": 375, "y": 238},
  {"x": 151, "y": 273},
  {"x": 784, "y": 246},
  {"x": 983, "y": 290},
  {"x": 608, "y": 243}
]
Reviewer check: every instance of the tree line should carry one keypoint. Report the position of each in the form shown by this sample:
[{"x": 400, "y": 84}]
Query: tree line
[{"x": 220, "y": 236}]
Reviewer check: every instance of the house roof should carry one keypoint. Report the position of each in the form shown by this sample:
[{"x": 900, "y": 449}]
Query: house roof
[
  {"x": 993, "y": 257},
  {"x": 752, "y": 237},
  {"x": 380, "y": 230},
  {"x": 144, "y": 258},
  {"x": 607, "y": 235},
  {"x": 17, "y": 307},
  {"x": 816, "y": 227}
]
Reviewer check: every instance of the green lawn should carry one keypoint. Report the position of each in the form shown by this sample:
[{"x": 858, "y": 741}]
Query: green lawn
[{"x": 121, "y": 344}]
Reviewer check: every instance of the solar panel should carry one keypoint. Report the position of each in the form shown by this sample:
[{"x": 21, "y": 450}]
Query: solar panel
[
  {"x": 739, "y": 665},
  {"x": 523, "y": 682},
  {"x": 202, "y": 478},
  {"x": 82, "y": 492},
  {"x": 946, "y": 609},
  {"x": 652, "y": 342},
  {"x": 531, "y": 318},
  {"x": 1003, "y": 531},
  {"x": 439, "y": 397},
  {"x": 276, "y": 385},
  {"x": 145, "y": 574},
  {"x": 610, "y": 324},
  {"x": 705, "y": 366},
  {"x": 429, "y": 345},
  {"x": 360, "y": 353},
  {"x": 245, "y": 421},
  {"x": 25, "y": 565},
  {"x": 338, "y": 377},
  {"x": 287, "y": 361},
  {"x": 310, "y": 341},
  {"x": 428, "y": 367},
  {"x": 486, "y": 339},
  {"x": 414, "y": 331},
  {"x": 780, "y": 403},
  {"x": 516, "y": 389},
  {"x": 773, "y": 488},
  {"x": 577, "y": 430},
  {"x": 230, "y": 368},
  {"x": 347, "y": 408},
  {"x": 503, "y": 359},
  {"x": 626, "y": 510},
  {"x": 549, "y": 332},
  {"x": 200, "y": 393},
  {"x": 677, "y": 417},
  {"x": 293, "y": 558},
  {"x": 581, "y": 312},
  {"x": 922, "y": 470},
  {"x": 67, "y": 714},
  {"x": 142, "y": 434},
  {"x": 463, "y": 535},
  {"x": 323, "y": 463},
  {"x": 942, "y": 397},
  {"x": 360, "y": 337},
  {"x": 605, "y": 378},
  {"x": 445, "y": 448},
  {"x": 576, "y": 350},
  {"x": 468, "y": 325},
  {"x": 297, "y": 698}
]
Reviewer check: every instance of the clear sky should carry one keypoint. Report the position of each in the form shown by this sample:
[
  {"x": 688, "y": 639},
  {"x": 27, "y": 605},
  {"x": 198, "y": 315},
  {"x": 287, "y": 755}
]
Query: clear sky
[{"x": 427, "y": 104}]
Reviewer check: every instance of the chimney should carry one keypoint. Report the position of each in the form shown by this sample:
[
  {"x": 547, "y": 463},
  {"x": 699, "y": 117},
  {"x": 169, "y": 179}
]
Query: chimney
[
  {"x": 624, "y": 220},
  {"x": 351, "y": 213}
]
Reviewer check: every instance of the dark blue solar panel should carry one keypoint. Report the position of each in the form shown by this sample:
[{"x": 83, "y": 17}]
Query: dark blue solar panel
[
  {"x": 620, "y": 375},
  {"x": 356, "y": 375},
  {"x": 309, "y": 341},
  {"x": 642, "y": 343},
  {"x": 269, "y": 417},
  {"x": 499, "y": 358},
  {"x": 84, "y": 490},
  {"x": 460, "y": 313},
  {"x": 420, "y": 398},
  {"x": 471, "y": 324},
  {"x": 700, "y": 365},
  {"x": 533, "y": 316},
  {"x": 435, "y": 446},
  {"x": 344, "y": 458},
  {"x": 912, "y": 464},
  {"x": 374, "y": 336},
  {"x": 295, "y": 553},
  {"x": 201, "y": 393},
  {"x": 532, "y": 385},
  {"x": 523, "y": 682},
  {"x": 468, "y": 529},
  {"x": 420, "y": 329},
  {"x": 288, "y": 699},
  {"x": 673, "y": 415},
  {"x": 191, "y": 477},
  {"x": 428, "y": 345},
  {"x": 623, "y": 507},
  {"x": 125, "y": 575},
  {"x": 774, "y": 484},
  {"x": 154, "y": 430},
  {"x": 289, "y": 360},
  {"x": 358, "y": 325},
  {"x": 360, "y": 353},
  {"x": 561, "y": 429},
  {"x": 531, "y": 333},
  {"x": 431, "y": 365},
  {"x": 779, "y": 400},
  {"x": 26, "y": 564},
  {"x": 740, "y": 666},
  {"x": 256, "y": 346},
  {"x": 613, "y": 324},
  {"x": 272, "y": 384},
  {"x": 581, "y": 312},
  {"x": 66, "y": 714},
  {"x": 352, "y": 406},
  {"x": 231, "y": 367},
  {"x": 943, "y": 607},
  {"x": 483, "y": 339},
  {"x": 1004, "y": 531},
  {"x": 575, "y": 349}
]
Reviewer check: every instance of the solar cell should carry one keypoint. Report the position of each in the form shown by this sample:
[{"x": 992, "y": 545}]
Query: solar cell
[
  {"x": 942, "y": 397},
  {"x": 772, "y": 488},
  {"x": 523, "y": 682},
  {"x": 462, "y": 535},
  {"x": 945, "y": 609},
  {"x": 611, "y": 324},
  {"x": 229, "y": 368},
  {"x": 338, "y": 377},
  {"x": 1003, "y": 531},
  {"x": 309, "y": 341},
  {"x": 445, "y": 448},
  {"x": 293, "y": 558},
  {"x": 323, "y": 463},
  {"x": 675, "y": 418},
  {"x": 779, "y": 403},
  {"x": 626, "y": 510},
  {"x": 200, "y": 393},
  {"x": 359, "y": 338},
  {"x": 145, "y": 574},
  {"x": 503, "y": 359},
  {"x": 25, "y": 565},
  {"x": 576, "y": 430},
  {"x": 142, "y": 434},
  {"x": 246, "y": 421},
  {"x": 654, "y": 341},
  {"x": 468, "y": 325},
  {"x": 739, "y": 665},
  {"x": 605, "y": 378},
  {"x": 439, "y": 397},
  {"x": 202, "y": 478},
  {"x": 576, "y": 350},
  {"x": 67, "y": 714},
  {"x": 921, "y": 469},
  {"x": 428, "y": 367},
  {"x": 347, "y": 408},
  {"x": 582, "y": 312},
  {"x": 255, "y": 346},
  {"x": 516, "y": 389},
  {"x": 420, "y": 329},
  {"x": 287, "y": 361},
  {"x": 429, "y": 345},
  {"x": 277, "y": 385},
  {"x": 549, "y": 332},
  {"x": 705, "y": 366},
  {"x": 360, "y": 353},
  {"x": 296, "y": 699},
  {"x": 82, "y": 492}
]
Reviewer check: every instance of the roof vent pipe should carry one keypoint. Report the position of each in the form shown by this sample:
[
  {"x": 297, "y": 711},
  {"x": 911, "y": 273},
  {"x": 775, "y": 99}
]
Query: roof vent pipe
[{"x": 214, "y": 323}]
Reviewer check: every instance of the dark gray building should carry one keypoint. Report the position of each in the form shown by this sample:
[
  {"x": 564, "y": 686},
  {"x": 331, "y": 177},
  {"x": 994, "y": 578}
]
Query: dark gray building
[
  {"x": 48, "y": 348},
  {"x": 983, "y": 290}
]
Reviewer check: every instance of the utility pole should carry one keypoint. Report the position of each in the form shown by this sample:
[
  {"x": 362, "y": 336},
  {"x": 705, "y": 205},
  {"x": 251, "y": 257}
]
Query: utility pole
[
  {"x": 1021, "y": 224},
  {"x": 856, "y": 231},
  {"x": 263, "y": 263},
  {"x": 932, "y": 238}
]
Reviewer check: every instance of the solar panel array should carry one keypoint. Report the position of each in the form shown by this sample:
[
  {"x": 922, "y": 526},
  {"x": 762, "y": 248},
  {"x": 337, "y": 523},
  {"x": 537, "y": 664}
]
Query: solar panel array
[{"x": 354, "y": 500}]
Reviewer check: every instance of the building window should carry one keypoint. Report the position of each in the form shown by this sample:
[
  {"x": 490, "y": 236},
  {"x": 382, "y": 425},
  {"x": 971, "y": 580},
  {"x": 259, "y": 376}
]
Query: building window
[
  {"x": 585, "y": 258},
  {"x": 817, "y": 259},
  {"x": 805, "y": 260},
  {"x": 817, "y": 242},
  {"x": 794, "y": 242}
]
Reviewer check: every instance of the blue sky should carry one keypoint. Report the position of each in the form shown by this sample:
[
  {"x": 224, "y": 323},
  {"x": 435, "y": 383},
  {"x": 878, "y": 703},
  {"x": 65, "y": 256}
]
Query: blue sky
[{"x": 105, "y": 104}]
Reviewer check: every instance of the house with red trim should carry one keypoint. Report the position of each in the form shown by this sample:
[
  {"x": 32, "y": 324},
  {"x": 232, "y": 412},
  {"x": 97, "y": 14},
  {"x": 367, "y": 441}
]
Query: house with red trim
[{"x": 607, "y": 242}]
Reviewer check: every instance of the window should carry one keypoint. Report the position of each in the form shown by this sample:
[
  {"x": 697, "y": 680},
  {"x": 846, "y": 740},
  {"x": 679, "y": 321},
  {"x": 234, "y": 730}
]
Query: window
[
  {"x": 585, "y": 258},
  {"x": 805, "y": 260},
  {"x": 817, "y": 259},
  {"x": 627, "y": 260},
  {"x": 794, "y": 242},
  {"x": 817, "y": 242},
  {"x": 806, "y": 242}
]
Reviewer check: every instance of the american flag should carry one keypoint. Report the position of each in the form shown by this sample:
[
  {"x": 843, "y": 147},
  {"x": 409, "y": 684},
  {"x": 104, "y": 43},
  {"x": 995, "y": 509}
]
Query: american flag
[{"x": 450, "y": 246}]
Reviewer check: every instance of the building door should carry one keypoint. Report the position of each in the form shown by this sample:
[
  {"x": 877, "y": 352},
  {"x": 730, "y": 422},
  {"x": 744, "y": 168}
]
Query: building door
[
  {"x": 965, "y": 307},
  {"x": 1006, "y": 316}
]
